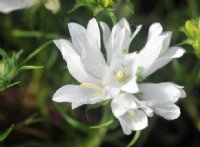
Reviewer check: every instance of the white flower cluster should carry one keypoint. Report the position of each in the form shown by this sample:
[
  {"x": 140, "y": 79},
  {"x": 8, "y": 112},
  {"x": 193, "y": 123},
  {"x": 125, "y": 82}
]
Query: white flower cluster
[{"x": 116, "y": 77}]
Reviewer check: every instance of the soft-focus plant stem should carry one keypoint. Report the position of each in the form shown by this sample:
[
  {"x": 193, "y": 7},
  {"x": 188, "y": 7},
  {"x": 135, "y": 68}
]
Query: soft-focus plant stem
[
  {"x": 97, "y": 135},
  {"x": 135, "y": 139},
  {"x": 112, "y": 16},
  {"x": 193, "y": 8}
]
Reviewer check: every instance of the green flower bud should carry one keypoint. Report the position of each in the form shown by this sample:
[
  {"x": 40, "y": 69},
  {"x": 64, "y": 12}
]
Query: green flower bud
[
  {"x": 193, "y": 28},
  {"x": 106, "y": 3},
  {"x": 2, "y": 68}
]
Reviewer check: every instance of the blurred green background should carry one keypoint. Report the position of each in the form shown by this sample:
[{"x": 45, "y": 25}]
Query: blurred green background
[{"x": 38, "y": 121}]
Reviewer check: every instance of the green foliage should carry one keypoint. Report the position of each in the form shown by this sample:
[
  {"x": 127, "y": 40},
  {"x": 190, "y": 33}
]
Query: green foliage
[
  {"x": 192, "y": 31},
  {"x": 6, "y": 133},
  {"x": 9, "y": 68}
]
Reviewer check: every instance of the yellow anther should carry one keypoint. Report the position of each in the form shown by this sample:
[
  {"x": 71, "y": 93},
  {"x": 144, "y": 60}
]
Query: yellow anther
[{"x": 121, "y": 76}]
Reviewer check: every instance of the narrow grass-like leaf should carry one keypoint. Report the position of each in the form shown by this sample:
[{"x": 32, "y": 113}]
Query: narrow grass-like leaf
[
  {"x": 106, "y": 124},
  {"x": 5, "y": 133},
  {"x": 73, "y": 122},
  {"x": 33, "y": 54}
]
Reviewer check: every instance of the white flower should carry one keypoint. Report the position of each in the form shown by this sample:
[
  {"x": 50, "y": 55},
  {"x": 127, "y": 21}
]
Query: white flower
[
  {"x": 132, "y": 111},
  {"x": 126, "y": 110},
  {"x": 116, "y": 77},
  {"x": 7, "y": 6},
  {"x": 161, "y": 98},
  {"x": 99, "y": 80},
  {"x": 157, "y": 53}
]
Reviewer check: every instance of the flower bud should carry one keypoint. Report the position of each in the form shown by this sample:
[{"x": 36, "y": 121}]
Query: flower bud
[
  {"x": 106, "y": 3},
  {"x": 193, "y": 28}
]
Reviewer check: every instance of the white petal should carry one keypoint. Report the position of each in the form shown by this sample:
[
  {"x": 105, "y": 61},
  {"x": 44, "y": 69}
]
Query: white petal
[
  {"x": 74, "y": 62},
  {"x": 106, "y": 33},
  {"x": 136, "y": 119},
  {"x": 131, "y": 86},
  {"x": 75, "y": 30},
  {"x": 74, "y": 93},
  {"x": 155, "y": 30},
  {"x": 164, "y": 59},
  {"x": 151, "y": 51},
  {"x": 115, "y": 38},
  {"x": 168, "y": 111},
  {"x": 166, "y": 41},
  {"x": 138, "y": 28},
  {"x": 93, "y": 30},
  {"x": 161, "y": 93},
  {"x": 122, "y": 24},
  {"x": 111, "y": 92},
  {"x": 125, "y": 126},
  {"x": 122, "y": 103},
  {"x": 7, "y": 6},
  {"x": 91, "y": 56}
]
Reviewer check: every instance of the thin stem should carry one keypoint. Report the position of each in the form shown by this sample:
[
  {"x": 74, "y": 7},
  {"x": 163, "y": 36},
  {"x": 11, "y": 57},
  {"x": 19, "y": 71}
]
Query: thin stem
[
  {"x": 33, "y": 54},
  {"x": 193, "y": 8},
  {"x": 135, "y": 139},
  {"x": 97, "y": 135},
  {"x": 112, "y": 16}
]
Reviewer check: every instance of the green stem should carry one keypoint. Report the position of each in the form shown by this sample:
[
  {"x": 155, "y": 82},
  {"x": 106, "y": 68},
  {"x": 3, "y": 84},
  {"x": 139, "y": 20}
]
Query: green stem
[
  {"x": 135, "y": 139},
  {"x": 33, "y": 54},
  {"x": 112, "y": 16},
  {"x": 97, "y": 135},
  {"x": 193, "y": 8},
  {"x": 191, "y": 80}
]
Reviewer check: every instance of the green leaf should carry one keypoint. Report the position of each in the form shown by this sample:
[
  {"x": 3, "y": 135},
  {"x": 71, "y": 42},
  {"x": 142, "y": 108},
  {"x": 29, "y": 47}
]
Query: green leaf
[
  {"x": 73, "y": 122},
  {"x": 30, "y": 67},
  {"x": 33, "y": 54},
  {"x": 106, "y": 124},
  {"x": 30, "y": 120},
  {"x": 5, "y": 133}
]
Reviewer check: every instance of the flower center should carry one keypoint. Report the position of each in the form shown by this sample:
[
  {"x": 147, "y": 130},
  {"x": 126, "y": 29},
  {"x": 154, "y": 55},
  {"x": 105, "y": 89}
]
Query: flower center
[
  {"x": 121, "y": 76},
  {"x": 132, "y": 115}
]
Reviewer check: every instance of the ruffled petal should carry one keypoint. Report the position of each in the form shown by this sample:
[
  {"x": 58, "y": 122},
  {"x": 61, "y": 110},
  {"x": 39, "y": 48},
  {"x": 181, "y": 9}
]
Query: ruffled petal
[{"x": 74, "y": 63}]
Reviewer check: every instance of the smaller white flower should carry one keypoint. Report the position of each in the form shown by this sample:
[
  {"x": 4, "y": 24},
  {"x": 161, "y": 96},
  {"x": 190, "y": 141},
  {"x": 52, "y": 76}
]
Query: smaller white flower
[
  {"x": 157, "y": 53},
  {"x": 161, "y": 98},
  {"x": 126, "y": 110}
]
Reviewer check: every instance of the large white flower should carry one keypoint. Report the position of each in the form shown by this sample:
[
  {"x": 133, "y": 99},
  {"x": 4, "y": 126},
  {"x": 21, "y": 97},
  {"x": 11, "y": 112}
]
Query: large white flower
[
  {"x": 99, "y": 80},
  {"x": 157, "y": 53},
  {"x": 132, "y": 111}
]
